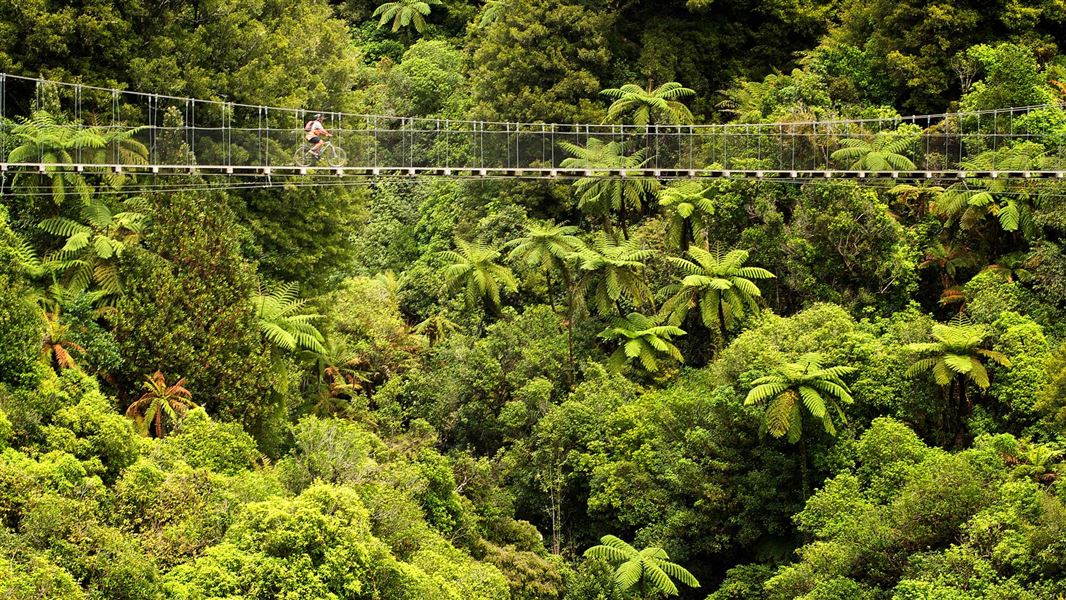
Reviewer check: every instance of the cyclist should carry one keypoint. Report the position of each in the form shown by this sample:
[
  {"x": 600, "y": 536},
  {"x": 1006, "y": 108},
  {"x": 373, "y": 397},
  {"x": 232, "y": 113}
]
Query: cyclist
[{"x": 314, "y": 132}]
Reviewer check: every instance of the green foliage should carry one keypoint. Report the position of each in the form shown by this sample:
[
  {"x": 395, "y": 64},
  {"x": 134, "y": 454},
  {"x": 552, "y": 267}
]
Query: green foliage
[
  {"x": 777, "y": 97},
  {"x": 186, "y": 310},
  {"x": 272, "y": 51},
  {"x": 976, "y": 527},
  {"x": 659, "y": 106},
  {"x": 303, "y": 234},
  {"x": 892, "y": 40},
  {"x": 718, "y": 284},
  {"x": 281, "y": 321},
  {"x": 367, "y": 331},
  {"x": 405, "y": 13},
  {"x": 844, "y": 245},
  {"x": 429, "y": 80},
  {"x": 546, "y": 245},
  {"x": 68, "y": 414},
  {"x": 473, "y": 267},
  {"x": 793, "y": 387},
  {"x": 204, "y": 444},
  {"x": 21, "y": 330},
  {"x": 744, "y": 582},
  {"x": 886, "y": 152},
  {"x": 318, "y": 544},
  {"x": 465, "y": 383},
  {"x": 383, "y": 439},
  {"x": 648, "y": 570},
  {"x": 642, "y": 338},
  {"x": 542, "y": 61},
  {"x": 1010, "y": 77}
]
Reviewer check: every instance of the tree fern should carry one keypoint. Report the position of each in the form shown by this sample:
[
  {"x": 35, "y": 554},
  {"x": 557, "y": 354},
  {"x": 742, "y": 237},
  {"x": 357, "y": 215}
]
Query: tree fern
[
  {"x": 643, "y": 107},
  {"x": 955, "y": 358},
  {"x": 601, "y": 195},
  {"x": 969, "y": 202},
  {"x": 884, "y": 151},
  {"x": 689, "y": 210},
  {"x": 644, "y": 339},
  {"x": 648, "y": 571},
  {"x": 793, "y": 388},
  {"x": 161, "y": 399},
  {"x": 718, "y": 284},
  {"x": 404, "y": 13},
  {"x": 474, "y": 267},
  {"x": 956, "y": 352},
  {"x": 93, "y": 246},
  {"x": 281, "y": 321},
  {"x": 613, "y": 271},
  {"x": 42, "y": 138}
]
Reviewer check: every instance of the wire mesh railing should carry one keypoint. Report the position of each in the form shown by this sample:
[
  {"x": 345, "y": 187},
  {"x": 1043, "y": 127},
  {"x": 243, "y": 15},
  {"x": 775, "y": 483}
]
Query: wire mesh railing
[{"x": 170, "y": 130}]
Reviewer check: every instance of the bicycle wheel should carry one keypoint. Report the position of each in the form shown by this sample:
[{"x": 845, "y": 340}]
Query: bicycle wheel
[
  {"x": 335, "y": 156},
  {"x": 303, "y": 156}
]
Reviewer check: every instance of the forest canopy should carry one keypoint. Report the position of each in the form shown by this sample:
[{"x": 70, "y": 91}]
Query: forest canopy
[{"x": 592, "y": 389}]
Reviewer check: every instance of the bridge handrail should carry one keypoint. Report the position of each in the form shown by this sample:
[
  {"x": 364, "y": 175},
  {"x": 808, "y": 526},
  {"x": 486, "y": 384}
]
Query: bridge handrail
[{"x": 915, "y": 119}]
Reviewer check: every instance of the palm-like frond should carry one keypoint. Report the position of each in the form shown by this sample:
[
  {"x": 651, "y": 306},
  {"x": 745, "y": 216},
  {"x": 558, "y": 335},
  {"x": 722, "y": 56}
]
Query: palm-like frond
[
  {"x": 719, "y": 284},
  {"x": 599, "y": 194},
  {"x": 970, "y": 202},
  {"x": 642, "y": 338},
  {"x": 92, "y": 247},
  {"x": 492, "y": 12},
  {"x": 613, "y": 270},
  {"x": 881, "y": 152},
  {"x": 804, "y": 383},
  {"x": 648, "y": 570},
  {"x": 689, "y": 210},
  {"x": 160, "y": 398},
  {"x": 282, "y": 322},
  {"x": 474, "y": 267},
  {"x": 956, "y": 351},
  {"x": 649, "y": 106},
  {"x": 546, "y": 245},
  {"x": 42, "y": 138},
  {"x": 404, "y": 13}
]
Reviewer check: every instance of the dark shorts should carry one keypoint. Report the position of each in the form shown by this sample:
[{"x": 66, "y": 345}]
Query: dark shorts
[{"x": 314, "y": 140}]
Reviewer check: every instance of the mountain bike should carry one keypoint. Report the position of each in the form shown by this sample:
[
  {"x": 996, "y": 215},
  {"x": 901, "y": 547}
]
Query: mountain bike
[{"x": 330, "y": 155}]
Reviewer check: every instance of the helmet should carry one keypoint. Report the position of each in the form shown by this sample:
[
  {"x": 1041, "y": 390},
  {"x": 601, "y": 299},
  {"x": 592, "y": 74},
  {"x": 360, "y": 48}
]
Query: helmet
[{"x": 318, "y": 116}]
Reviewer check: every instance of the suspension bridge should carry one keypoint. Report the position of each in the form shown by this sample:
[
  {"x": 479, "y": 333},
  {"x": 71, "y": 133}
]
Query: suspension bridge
[{"x": 178, "y": 135}]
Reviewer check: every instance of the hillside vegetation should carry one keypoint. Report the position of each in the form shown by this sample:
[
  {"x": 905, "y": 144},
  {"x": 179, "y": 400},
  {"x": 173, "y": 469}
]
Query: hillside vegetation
[{"x": 602, "y": 389}]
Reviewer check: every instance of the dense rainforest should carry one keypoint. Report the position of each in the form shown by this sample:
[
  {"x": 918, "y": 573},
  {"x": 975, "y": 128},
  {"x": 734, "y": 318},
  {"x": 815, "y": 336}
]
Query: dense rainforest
[{"x": 601, "y": 389}]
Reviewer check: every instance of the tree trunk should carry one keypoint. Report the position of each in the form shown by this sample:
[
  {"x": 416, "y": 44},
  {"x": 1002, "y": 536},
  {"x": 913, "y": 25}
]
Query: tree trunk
[
  {"x": 555, "y": 509},
  {"x": 805, "y": 475},
  {"x": 962, "y": 411},
  {"x": 570, "y": 343},
  {"x": 607, "y": 227},
  {"x": 159, "y": 423},
  {"x": 551, "y": 296},
  {"x": 571, "y": 285},
  {"x": 721, "y": 327}
]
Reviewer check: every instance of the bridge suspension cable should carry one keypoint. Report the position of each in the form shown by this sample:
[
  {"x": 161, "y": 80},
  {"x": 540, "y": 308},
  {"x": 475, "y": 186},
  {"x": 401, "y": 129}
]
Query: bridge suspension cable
[{"x": 181, "y": 135}]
